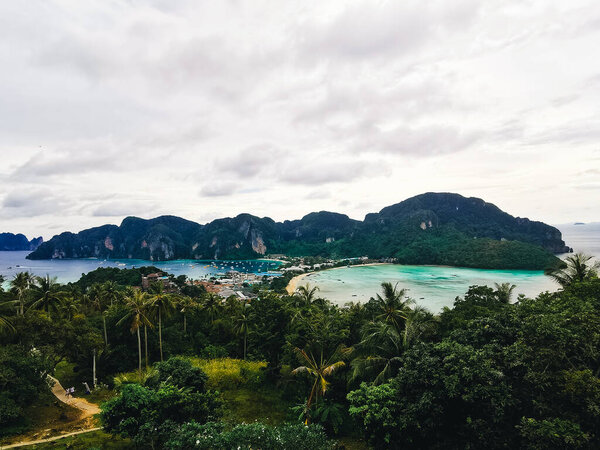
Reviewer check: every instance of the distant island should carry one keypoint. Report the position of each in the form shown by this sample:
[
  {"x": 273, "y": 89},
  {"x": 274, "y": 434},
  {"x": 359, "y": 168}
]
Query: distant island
[
  {"x": 16, "y": 242},
  {"x": 431, "y": 228}
]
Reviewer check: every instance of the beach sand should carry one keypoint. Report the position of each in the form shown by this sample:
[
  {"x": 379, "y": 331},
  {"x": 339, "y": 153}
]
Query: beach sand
[{"x": 295, "y": 282}]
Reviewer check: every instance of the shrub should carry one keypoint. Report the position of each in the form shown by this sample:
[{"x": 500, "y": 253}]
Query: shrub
[
  {"x": 229, "y": 373},
  {"x": 249, "y": 436}
]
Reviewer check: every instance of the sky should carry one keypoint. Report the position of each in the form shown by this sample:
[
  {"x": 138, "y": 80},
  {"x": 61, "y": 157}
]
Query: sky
[{"x": 279, "y": 108}]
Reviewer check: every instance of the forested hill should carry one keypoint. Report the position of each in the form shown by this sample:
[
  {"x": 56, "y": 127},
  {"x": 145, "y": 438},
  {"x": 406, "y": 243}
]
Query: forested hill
[
  {"x": 14, "y": 242},
  {"x": 431, "y": 228}
]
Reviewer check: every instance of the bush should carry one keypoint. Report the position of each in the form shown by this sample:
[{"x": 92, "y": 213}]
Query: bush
[
  {"x": 229, "y": 373},
  {"x": 179, "y": 372},
  {"x": 252, "y": 436},
  {"x": 150, "y": 416}
]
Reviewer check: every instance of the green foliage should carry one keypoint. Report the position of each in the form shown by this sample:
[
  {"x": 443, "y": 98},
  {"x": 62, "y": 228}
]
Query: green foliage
[
  {"x": 550, "y": 434},
  {"x": 432, "y": 228},
  {"x": 445, "y": 396},
  {"x": 180, "y": 373},
  {"x": 150, "y": 416},
  {"x": 228, "y": 373},
  {"x": 23, "y": 379},
  {"x": 122, "y": 277},
  {"x": 212, "y": 436}
]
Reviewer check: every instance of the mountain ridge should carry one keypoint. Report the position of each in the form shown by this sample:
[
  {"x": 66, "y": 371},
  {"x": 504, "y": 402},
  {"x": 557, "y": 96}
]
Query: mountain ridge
[
  {"x": 18, "y": 242},
  {"x": 430, "y": 228}
]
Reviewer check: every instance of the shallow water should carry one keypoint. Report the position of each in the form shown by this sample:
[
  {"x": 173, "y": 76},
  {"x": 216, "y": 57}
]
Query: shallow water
[
  {"x": 436, "y": 287},
  {"x": 66, "y": 270},
  {"x": 432, "y": 287}
]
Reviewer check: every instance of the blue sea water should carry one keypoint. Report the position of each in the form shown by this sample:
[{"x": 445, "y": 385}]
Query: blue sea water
[
  {"x": 433, "y": 287},
  {"x": 66, "y": 270}
]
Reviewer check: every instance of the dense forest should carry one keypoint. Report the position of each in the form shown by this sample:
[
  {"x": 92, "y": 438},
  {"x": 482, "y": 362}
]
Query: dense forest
[
  {"x": 295, "y": 371},
  {"x": 432, "y": 228}
]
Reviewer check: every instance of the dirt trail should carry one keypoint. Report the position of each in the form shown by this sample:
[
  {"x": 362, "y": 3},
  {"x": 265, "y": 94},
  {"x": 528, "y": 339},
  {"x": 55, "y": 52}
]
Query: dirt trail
[
  {"x": 87, "y": 408},
  {"x": 87, "y": 411}
]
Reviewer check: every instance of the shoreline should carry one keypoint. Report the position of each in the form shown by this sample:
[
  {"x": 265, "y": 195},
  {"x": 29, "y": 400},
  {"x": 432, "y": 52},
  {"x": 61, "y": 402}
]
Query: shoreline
[{"x": 294, "y": 282}]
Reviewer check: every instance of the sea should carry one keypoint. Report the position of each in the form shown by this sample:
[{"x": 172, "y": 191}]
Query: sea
[{"x": 431, "y": 286}]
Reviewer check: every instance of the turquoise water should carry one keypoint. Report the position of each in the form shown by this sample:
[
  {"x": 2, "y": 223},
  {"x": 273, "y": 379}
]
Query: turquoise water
[
  {"x": 432, "y": 287},
  {"x": 436, "y": 287},
  {"x": 66, "y": 270}
]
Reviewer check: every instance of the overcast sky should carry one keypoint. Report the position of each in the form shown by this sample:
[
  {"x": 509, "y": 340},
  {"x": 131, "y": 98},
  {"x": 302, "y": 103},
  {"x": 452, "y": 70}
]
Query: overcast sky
[{"x": 278, "y": 108}]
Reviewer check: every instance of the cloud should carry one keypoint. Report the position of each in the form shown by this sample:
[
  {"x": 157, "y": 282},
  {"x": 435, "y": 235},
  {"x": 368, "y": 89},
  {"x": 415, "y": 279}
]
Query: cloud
[
  {"x": 250, "y": 161},
  {"x": 218, "y": 189},
  {"x": 31, "y": 203},
  {"x": 416, "y": 141},
  {"x": 320, "y": 172},
  {"x": 119, "y": 208}
]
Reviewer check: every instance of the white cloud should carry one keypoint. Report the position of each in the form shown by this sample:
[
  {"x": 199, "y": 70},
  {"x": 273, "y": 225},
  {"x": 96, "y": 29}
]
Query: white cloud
[{"x": 278, "y": 109}]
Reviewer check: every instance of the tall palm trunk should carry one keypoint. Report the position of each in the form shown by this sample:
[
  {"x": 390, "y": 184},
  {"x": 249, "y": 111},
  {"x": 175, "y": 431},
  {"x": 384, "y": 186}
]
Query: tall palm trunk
[
  {"x": 184, "y": 323},
  {"x": 139, "y": 351},
  {"x": 146, "y": 343},
  {"x": 160, "y": 335},
  {"x": 245, "y": 340},
  {"x": 22, "y": 304},
  {"x": 105, "y": 335}
]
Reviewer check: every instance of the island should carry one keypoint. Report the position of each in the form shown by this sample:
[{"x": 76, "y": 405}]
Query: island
[
  {"x": 18, "y": 242},
  {"x": 431, "y": 228}
]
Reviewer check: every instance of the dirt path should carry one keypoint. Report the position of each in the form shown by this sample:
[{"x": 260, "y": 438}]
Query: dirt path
[
  {"x": 87, "y": 408},
  {"x": 50, "y": 439},
  {"x": 87, "y": 411}
]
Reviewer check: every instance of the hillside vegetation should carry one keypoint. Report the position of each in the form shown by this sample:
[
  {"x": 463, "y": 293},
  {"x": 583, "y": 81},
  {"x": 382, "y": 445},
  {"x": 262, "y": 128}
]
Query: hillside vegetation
[{"x": 432, "y": 228}]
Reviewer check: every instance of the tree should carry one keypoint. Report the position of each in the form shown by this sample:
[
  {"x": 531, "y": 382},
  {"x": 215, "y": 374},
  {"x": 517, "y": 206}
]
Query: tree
[
  {"x": 446, "y": 396},
  {"x": 579, "y": 267},
  {"x": 393, "y": 306},
  {"x": 23, "y": 378},
  {"x": 136, "y": 316},
  {"x": 378, "y": 355},
  {"x": 97, "y": 300},
  {"x": 307, "y": 294},
  {"x": 162, "y": 305},
  {"x": 46, "y": 294},
  {"x": 212, "y": 305},
  {"x": 242, "y": 322},
  {"x": 110, "y": 292},
  {"x": 186, "y": 305},
  {"x": 151, "y": 416},
  {"x": 320, "y": 369},
  {"x": 504, "y": 291},
  {"x": 20, "y": 285}
]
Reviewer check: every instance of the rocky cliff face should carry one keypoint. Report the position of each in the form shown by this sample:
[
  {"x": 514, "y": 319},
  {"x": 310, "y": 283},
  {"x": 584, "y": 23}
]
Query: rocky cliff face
[
  {"x": 428, "y": 228},
  {"x": 14, "y": 242}
]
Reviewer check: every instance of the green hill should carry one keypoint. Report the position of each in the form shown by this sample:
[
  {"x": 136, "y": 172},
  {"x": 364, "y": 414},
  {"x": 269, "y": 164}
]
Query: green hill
[{"x": 431, "y": 228}]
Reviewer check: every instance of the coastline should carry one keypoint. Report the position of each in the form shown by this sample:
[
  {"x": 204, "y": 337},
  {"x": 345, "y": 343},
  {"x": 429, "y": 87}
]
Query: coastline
[{"x": 294, "y": 282}]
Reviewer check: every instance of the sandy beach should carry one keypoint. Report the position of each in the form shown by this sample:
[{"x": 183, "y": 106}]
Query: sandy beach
[{"x": 295, "y": 282}]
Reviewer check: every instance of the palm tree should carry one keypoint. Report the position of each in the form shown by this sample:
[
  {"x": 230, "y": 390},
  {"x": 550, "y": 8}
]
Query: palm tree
[
  {"x": 212, "y": 305},
  {"x": 137, "y": 306},
  {"x": 186, "y": 304},
  {"x": 46, "y": 294},
  {"x": 504, "y": 291},
  {"x": 5, "y": 324},
  {"x": 307, "y": 294},
  {"x": 96, "y": 298},
  {"x": 394, "y": 305},
  {"x": 382, "y": 345},
  {"x": 320, "y": 369},
  {"x": 242, "y": 323},
  {"x": 163, "y": 305},
  {"x": 579, "y": 267},
  {"x": 20, "y": 285},
  {"x": 110, "y": 292}
]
